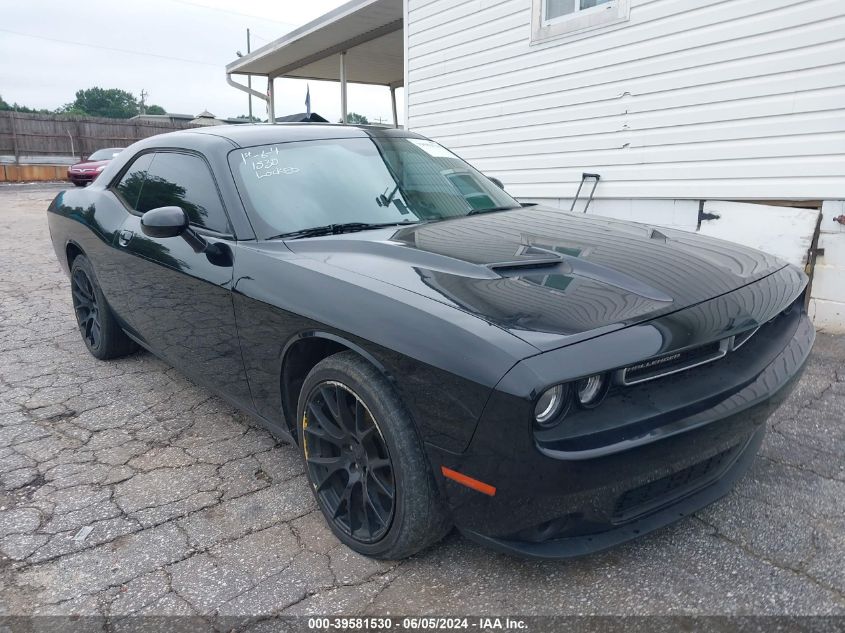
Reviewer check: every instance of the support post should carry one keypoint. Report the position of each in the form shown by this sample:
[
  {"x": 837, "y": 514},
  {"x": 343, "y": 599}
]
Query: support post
[
  {"x": 393, "y": 103},
  {"x": 12, "y": 115},
  {"x": 271, "y": 101},
  {"x": 249, "y": 77},
  {"x": 343, "y": 109}
]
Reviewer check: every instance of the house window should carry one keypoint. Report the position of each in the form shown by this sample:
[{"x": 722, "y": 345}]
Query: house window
[
  {"x": 557, "y": 18},
  {"x": 555, "y": 9}
]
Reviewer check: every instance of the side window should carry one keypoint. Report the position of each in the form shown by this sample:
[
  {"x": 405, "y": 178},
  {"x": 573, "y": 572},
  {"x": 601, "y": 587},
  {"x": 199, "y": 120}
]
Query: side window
[
  {"x": 183, "y": 180},
  {"x": 129, "y": 186}
]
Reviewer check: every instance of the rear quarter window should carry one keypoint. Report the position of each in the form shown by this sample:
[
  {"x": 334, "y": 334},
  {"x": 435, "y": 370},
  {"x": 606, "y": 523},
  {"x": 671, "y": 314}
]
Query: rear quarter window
[{"x": 130, "y": 184}]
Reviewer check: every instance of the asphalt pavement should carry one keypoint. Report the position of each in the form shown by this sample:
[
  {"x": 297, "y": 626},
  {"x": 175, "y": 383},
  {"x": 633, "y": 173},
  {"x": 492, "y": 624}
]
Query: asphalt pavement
[{"x": 126, "y": 489}]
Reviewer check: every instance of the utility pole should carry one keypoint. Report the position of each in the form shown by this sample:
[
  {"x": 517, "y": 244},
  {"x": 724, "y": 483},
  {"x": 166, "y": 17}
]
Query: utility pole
[
  {"x": 142, "y": 107},
  {"x": 249, "y": 78}
]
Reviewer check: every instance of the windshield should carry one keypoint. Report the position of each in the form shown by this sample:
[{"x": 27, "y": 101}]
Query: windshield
[
  {"x": 105, "y": 154},
  {"x": 295, "y": 186}
]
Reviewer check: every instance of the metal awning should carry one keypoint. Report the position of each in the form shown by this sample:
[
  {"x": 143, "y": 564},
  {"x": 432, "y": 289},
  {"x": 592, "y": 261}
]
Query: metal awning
[{"x": 360, "y": 42}]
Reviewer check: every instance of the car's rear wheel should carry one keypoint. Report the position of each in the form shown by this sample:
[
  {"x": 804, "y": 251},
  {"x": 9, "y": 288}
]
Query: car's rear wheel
[
  {"x": 365, "y": 461},
  {"x": 99, "y": 329}
]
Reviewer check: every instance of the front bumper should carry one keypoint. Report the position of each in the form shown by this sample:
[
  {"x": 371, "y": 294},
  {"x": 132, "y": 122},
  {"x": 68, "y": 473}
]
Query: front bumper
[
  {"x": 81, "y": 176},
  {"x": 680, "y": 505},
  {"x": 560, "y": 504}
]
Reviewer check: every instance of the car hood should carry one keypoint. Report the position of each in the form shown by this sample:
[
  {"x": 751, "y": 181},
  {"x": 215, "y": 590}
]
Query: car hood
[
  {"x": 547, "y": 276},
  {"x": 93, "y": 164}
]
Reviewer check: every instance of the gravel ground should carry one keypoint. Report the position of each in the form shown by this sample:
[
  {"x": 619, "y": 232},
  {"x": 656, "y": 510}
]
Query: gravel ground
[{"x": 189, "y": 508}]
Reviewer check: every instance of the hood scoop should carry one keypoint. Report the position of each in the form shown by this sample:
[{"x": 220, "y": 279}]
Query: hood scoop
[
  {"x": 539, "y": 257},
  {"x": 535, "y": 258}
]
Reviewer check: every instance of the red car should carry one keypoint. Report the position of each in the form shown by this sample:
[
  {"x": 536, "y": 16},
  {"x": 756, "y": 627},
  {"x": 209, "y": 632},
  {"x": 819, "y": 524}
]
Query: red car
[{"x": 83, "y": 173}]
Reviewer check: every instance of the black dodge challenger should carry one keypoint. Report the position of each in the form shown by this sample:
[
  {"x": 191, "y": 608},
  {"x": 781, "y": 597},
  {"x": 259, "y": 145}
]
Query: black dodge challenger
[{"x": 550, "y": 383}]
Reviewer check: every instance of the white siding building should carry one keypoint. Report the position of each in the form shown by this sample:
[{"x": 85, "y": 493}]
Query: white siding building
[
  {"x": 699, "y": 99},
  {"x": 678, "y": 105}
]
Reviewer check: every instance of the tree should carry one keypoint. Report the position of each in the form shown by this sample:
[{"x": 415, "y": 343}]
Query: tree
[
  {"x": 246, "y": 117},
  {"x": 356, "y": 119},
  {"x": 5, "y": 106},
  {"x": 155, "y": 109},
  {"x": 69, "y": 108},
  {"x": 112, "y": 103}
]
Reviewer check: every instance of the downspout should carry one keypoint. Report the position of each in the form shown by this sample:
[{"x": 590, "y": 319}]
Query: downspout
[{"x": 251, "y": 91}]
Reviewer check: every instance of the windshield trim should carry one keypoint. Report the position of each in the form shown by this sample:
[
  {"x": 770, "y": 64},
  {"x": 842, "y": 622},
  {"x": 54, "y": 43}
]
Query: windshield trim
[{"x": 111, "y": 153}]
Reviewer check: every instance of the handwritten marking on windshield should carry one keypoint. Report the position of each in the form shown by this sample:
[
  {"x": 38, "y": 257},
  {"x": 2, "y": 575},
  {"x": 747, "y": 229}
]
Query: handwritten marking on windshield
[
  {"x": 266, "y": 163},
  {"x": 263, "y": 154},
  {"x": 277, "y": 171}
]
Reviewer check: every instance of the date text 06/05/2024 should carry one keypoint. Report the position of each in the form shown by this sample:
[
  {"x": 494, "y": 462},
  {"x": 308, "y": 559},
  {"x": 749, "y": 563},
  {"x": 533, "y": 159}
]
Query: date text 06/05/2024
[{"x": 425, "y": 623}]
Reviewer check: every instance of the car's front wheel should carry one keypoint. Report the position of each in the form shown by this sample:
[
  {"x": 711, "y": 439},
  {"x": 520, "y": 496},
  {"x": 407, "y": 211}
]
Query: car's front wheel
[
  {"x": 365, "y": 462},
  {"x": 100, "y": 331}
]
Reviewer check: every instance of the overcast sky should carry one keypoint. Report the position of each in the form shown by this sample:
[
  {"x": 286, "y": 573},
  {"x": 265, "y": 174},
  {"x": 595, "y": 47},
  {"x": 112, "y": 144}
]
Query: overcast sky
[{"x": 176, "y": 50}]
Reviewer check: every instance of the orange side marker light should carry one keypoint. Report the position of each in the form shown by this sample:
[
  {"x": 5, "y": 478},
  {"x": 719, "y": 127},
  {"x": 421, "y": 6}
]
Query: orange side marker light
[{"x": 469, "y": 482}]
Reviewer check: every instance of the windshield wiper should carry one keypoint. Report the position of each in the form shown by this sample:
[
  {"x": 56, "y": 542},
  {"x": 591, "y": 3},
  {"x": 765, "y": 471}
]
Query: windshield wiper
[
  {"x": 492, "y": 209},
  {"x": 336, "y": 229}
]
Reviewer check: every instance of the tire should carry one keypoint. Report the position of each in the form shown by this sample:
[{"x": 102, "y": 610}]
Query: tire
[
  {"x": 385, "y": 432},
  {"x": 99, "y": 329}
]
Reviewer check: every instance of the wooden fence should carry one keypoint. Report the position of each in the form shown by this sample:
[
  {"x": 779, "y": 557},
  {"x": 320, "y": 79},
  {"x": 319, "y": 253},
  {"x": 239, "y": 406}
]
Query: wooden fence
[{"x": 27, "y": 136}]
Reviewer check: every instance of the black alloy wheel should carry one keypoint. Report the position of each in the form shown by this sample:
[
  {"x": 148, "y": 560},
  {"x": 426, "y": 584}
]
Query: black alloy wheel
[
  {"x": 87, "y": 308},
  {"x": 365, "y": 460},
  {"x": 99, "y": 328},
  {"x": 348, "y": 462}
]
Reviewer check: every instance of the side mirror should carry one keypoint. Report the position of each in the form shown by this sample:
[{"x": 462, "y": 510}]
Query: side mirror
[
  {"x": 164, "y": 222},
  {"x": 497, "y": 182}
]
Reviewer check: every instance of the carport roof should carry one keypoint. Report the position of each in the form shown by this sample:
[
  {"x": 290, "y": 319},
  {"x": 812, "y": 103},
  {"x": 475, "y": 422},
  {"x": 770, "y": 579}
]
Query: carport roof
[{"x": 370, "y": 31}]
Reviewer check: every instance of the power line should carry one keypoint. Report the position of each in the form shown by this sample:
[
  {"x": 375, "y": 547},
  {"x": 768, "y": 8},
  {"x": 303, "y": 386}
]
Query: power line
[
  {"x": 229, "y": 11},
  {"x": 109, "y": 48}
]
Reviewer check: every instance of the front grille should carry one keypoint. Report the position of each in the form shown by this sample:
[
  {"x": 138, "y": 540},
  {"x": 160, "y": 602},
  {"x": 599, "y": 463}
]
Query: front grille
[
  {"x": 651, "y": 496},
  {"x": 672, "y": 363},
  {"x": 675, "y": 362}
]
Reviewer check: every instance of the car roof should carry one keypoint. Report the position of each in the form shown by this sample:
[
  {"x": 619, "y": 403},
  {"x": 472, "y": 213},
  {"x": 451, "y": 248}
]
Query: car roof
[{"x": 247, "y": 135}]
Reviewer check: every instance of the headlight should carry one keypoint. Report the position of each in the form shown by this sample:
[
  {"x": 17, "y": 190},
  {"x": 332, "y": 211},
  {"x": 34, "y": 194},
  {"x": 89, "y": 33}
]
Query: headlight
[
  {"x": 552, "y": 405},
  {"x": 100, "y": 168},
  {"x": 590, "y": 391}
]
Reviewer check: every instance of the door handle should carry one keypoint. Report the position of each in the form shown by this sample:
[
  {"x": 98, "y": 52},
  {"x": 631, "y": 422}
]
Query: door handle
[{"x": 124, "y": 237}]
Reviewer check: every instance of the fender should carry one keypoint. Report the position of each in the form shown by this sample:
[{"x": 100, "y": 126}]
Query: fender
[
  {"x": 336, "y": 339},
  {"x": 288, "y": 400},
  {"x": 65, "y": 261}
]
